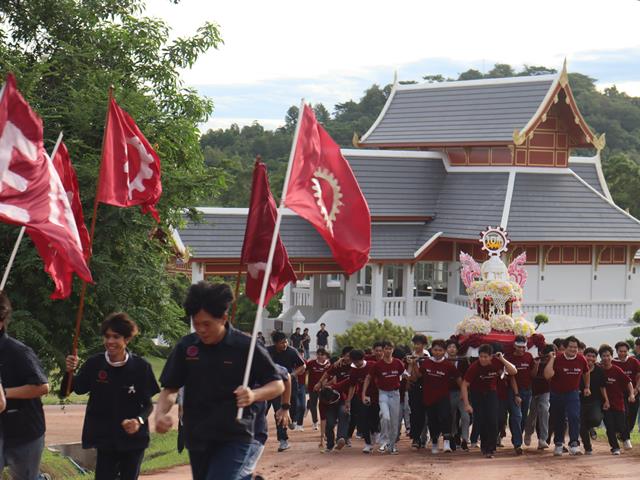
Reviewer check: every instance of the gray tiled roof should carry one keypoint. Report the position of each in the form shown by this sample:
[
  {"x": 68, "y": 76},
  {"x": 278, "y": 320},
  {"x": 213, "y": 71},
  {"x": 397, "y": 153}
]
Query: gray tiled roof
[
  {"x": 465, "y": 111},
  {"x": 552, "y": 207},
  {"x": 589, "y": 173},
  {"x": 399, "y": 186}
]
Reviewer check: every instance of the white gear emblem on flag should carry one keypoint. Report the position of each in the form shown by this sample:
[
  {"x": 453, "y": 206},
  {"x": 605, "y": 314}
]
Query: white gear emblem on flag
[{"x": 329, "y": 215}]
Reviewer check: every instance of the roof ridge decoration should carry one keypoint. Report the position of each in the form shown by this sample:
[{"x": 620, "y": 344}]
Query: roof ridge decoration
[
  {"x": 383, "y": 112},
  {"x": 561, "y": 82}
]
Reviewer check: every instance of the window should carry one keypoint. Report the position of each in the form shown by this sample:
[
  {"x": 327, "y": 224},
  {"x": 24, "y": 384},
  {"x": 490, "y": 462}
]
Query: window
[
  {"x": 392, "y": 281},
  {"x": 334, "y": 280},
  {"x": 431, "y": 280},
  {"x": 304, "y": 282},
  {"x": 364, "y": 280}
]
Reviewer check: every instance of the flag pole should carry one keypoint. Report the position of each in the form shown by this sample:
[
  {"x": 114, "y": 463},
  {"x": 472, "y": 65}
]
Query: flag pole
[
  {"x": 83, "y": 291},
  {"x": 272, "y": 249},
  {"x": 12, "y": 258}
]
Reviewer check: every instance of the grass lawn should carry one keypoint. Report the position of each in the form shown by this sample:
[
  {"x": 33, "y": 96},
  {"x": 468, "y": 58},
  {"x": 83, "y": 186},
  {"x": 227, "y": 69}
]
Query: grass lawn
[
  {"x": 635, "y": 437},
  {"x": 161, "y": 454}
]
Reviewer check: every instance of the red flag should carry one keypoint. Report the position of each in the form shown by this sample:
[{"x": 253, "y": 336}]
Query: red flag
[
  {"x": 261, "y": 222},
  {"x": 62, "y": 164},
  {"x": 130, "y": 169},
  {"x": 323, "y": 190},
  {"x": 32, "y": 194}
]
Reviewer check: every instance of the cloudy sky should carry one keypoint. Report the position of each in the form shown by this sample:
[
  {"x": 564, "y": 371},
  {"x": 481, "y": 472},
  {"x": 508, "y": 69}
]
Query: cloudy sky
[{"x": 277, "y": 52}]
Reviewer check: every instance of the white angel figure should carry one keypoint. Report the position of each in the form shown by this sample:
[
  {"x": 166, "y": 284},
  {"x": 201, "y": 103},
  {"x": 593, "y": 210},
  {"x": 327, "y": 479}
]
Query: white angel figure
[
  {"x": 470, "y": 269},
  {"x": 516, "y": 269}
]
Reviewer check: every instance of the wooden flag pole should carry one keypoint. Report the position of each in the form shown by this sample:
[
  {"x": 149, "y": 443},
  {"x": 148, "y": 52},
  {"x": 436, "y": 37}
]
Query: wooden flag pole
[
  {"x": 12, "y": 258},
  {"x": 92, "y": 231},
  {"x": 272, "y": 249}
]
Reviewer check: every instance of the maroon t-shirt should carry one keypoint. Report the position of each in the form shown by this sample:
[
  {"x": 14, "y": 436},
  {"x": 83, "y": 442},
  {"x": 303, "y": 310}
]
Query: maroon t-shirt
[
  {"x": 616, "y": 385},
  {"x": 436, "y": 380},
  {"x": 316, "y": 370},
  {"x": 630, "y": 367},
  {"x": 524, "y": 364},
  {"x": 539, "y": 384},
  {"x": 461, "y": 364},
  {"x": 568, "y": 373},
  {"x": 357, "y": 376},
  {"x": 483, "y": 379},
  {"x": 387, "y": 375},
  {"x": 340, "y": 371}
]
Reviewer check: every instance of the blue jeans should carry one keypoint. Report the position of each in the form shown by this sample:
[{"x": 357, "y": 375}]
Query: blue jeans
[
  {"x": 254, "y": 457},
  {"x": 228, "y": 460},
  {"x": 281, "y": 430},
  {"x": 389, "y": 402},
  {"x": 23, "y": 460},
  {"x": 566, "y": 406},
  {"x": 518, "y": 415},
  {"x": 301, "y": 403}
]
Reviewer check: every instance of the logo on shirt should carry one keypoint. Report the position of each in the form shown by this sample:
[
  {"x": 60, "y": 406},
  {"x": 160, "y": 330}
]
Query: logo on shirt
[
  {"x": 132, "y": 389},
  {"x": 102, "y": 376},
  {"x": 192, "y": 352}
]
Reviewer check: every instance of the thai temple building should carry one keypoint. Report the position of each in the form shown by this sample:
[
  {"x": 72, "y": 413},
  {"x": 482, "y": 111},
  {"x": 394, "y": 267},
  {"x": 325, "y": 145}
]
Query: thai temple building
[{"x": 442, "y": 162}]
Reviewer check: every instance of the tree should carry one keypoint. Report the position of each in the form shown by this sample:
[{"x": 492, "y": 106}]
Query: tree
[
  {"x": 501, "y": 70},
  {"x": 363, "y": 335},
  {"x": 291, "y": 119},
  {"x": 471, "y": 74},
  {"x": 541, "y": 319},
  {"x": 64, "y": 59},
  {"x": 623, "y": 179},
  {"x": 322, "y": 114}
]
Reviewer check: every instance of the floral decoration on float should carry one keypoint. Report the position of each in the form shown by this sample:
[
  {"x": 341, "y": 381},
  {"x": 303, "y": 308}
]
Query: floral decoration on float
[{"x": 495, "y": 293}]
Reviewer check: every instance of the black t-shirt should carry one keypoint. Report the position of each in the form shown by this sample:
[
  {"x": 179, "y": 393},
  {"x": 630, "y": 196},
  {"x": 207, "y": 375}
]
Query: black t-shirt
[
  {"x": 22, "y": 420},
  {"x": 115, "y": 394},
  {"x": 322, "y": 338},
  {"x": 597, "y": 380},
  {"x": 296, "y": 339},
  {"x": 306, "y": 340},
  {"x": 209, "y": 375},
  {"x": 288, "y": 358},
  {"x": 261, "y": 430}
]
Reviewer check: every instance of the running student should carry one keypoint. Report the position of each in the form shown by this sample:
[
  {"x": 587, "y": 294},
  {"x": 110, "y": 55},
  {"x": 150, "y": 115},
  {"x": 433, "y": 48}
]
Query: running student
[
  {"x": 591, "y": 406},
  {"x": 481, "y": 381},
  {"x": 418, "y": 414},
  {"x": 519, "y": 399},
  {"x": 631, "y": 367},
  {"x": 210, "y": 365},
  {"x": 365, "y": 414},
  {"x": 618, "y": 386},
  {"x": 386, "y": 375},
  {"x": 459, "y": 417},
  {"x": 316, "y": 369},
  {"x": 120, "y": 386},
  {"x": 564, "y": 371},
  {"x": 334, "y": 399},
  {"x": 436, "y": 374},
  {"x": 538, "y": 418}
]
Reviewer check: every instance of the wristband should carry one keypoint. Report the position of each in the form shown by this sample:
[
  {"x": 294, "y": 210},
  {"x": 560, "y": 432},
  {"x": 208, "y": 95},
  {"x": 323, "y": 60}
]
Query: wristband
[
  {"x": 285, "y": 406},
  {"x": 140, "y": 420}
]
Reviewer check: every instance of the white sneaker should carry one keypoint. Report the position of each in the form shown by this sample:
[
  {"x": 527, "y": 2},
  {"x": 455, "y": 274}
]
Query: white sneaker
[
  {"x": 367, "y": 448},
  {"x": 394, "y": 451},
  {"x": 447, "y": 447},
  {"x": 527, "y": 440},
  {"x": 434, "y": 448},
  {"x": 382, "y": 448},
  {"x": 473, "y": 445},
  {"x": 627, "y": 445},
  {"x": 575, "y": 450},
  {"x": 299, "y": 428},
  {"x": 315, "y": 426},
  {"x": 615, "y": 452},
  {"x": 284, "y": 445},
  {"x": 542, "y": 445},
  {"x": 557, "y": 452}
]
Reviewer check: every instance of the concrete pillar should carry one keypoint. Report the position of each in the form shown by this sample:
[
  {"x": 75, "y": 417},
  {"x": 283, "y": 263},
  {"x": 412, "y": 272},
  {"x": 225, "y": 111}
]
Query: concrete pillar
[
  {"x": 350, "y": 290},
  {"x": 408, "y": 284},
  {"x": 377, "y": 292},
  {"x": 286, "y": 299},
  {"x": 197, "y": 272}
]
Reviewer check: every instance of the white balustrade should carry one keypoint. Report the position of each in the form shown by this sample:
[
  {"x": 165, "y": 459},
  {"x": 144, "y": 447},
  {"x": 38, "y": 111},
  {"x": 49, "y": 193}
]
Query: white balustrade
[
  {"x": 394, "y": 307},
  {"x": 302, "y": 297},
  {"x": 332, "y": 299},
  {"x": 421, "y": 306},
  {"x": 614, "y": 310},
  {"x": 361, "y": 306}
]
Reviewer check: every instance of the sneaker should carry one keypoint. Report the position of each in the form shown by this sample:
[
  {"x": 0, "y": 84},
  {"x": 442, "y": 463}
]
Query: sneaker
[
  {"x": 284, "y": 445},
  {"x": 340, "y": 444},
  {"x": 627, "y": 445},
  {"x": 394, "y": 451},
  {"x": 558, "y": 451},
  {"x": 327, "y": 450},
  {"x": 575, "y": 450},
  {"x": 488, "y": 455},
  {"x": 348, "y": 442},
  {"x": 474, "y": 445},
  {"x": 588, "y": 452},
  {"x": 415, "y": 444},
  {"x": 358, "y": 436},
  {"x": 518, "y": 450},
  {"x": 367, "y": 448},
  {"x": 382, "y": 448},
  {"x": 315, "y": 427},
  {"x": 542, "y": 445},
  {"x": 299, "y": 428},
  {"x": 527, "y": 440},
  {"x": 615, "y": 451},
  {"x": 435, "y": 449},
  {"x": 593, "y": 434},
  {"x": 464, "y": 446},
  {"x": 447, "y": 447}
]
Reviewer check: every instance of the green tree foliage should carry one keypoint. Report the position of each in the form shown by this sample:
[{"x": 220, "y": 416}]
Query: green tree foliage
[
  {"x": 363, "y": 335},
  {"x": 65, "y": 54},
  {"x": 623, "y": 179},
  {"x": 540, "y": 319}
]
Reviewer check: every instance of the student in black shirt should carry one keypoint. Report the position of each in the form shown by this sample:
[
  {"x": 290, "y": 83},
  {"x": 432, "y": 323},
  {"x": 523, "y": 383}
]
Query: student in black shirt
[
  {"x": 120, "y": 386},
  {"x": 24, "y": 382},
  {"x": 282, "y": 354},
  {"x": 296, "y": 339},
  {"x": 591, "y": 407},
  {"x": 210, "y": 365},
  {"x": 322, "y": 337}
]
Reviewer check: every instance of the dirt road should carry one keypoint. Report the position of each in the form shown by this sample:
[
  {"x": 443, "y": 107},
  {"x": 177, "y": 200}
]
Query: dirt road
[{"x": 305, "y": 462}]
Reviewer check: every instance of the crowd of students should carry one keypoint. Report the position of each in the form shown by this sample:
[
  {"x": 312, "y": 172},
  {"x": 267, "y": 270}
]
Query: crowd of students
[
  {"x": 567, "y": 390},
  {"x": 368, "y": 394}
]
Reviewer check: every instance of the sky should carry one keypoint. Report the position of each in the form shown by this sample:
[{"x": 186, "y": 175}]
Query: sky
[{"x": 276, "y": 53}]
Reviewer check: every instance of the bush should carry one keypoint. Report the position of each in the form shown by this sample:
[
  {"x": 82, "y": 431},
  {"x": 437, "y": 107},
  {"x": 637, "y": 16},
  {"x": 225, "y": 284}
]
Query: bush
[
  {"x": 364, "y": 335},
  {"x": 636, "y": 317},
  {"x": 635, "y": 331},
  {"x": 541, "y": 319}
]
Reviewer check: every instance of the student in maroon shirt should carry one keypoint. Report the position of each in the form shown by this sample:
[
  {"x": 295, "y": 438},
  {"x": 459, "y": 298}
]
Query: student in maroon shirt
[
  {"x": 459, "y": 417},
  {"x": 631, "y": 367},
  {"x": 564, "y": 372},
  {"x": 316, "y": 368},
  {"x": 437, "y": 373},
  {"x": 520, "y": 399},
  {"x": 538, "y": 418},
  {"x": 386, "y": 374},
  {"x": 364, "y": 414},
  {"x": 618, "y": 386},
  {"x": 481, "y": 378},
  {"x": 417, "y": 415},
  {"x": 334, "y": 400},
  {"x": 339, "y": 369}
]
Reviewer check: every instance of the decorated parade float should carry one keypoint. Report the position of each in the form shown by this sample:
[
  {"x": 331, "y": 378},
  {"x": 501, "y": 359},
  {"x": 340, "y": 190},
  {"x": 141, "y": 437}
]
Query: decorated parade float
[{"x": 495, "y": 294}]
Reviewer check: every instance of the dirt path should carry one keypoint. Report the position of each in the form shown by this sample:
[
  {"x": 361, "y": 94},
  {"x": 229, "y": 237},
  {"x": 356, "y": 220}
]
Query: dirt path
[{"x": 305, "y": 462}]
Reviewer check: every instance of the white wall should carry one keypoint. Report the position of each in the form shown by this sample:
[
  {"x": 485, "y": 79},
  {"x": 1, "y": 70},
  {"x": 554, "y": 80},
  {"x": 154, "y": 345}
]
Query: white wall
[
  {"x": 565, "y": 283},
  {"x": 610, "y": 282},
  {"x": 633, "y": 287},
  {"x": 533, "y": 281}
]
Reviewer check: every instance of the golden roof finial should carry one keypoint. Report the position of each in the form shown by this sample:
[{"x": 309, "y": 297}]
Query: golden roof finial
[
  {"x": 355, "y": 140},
  {"x": 563, "y": 79}
]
